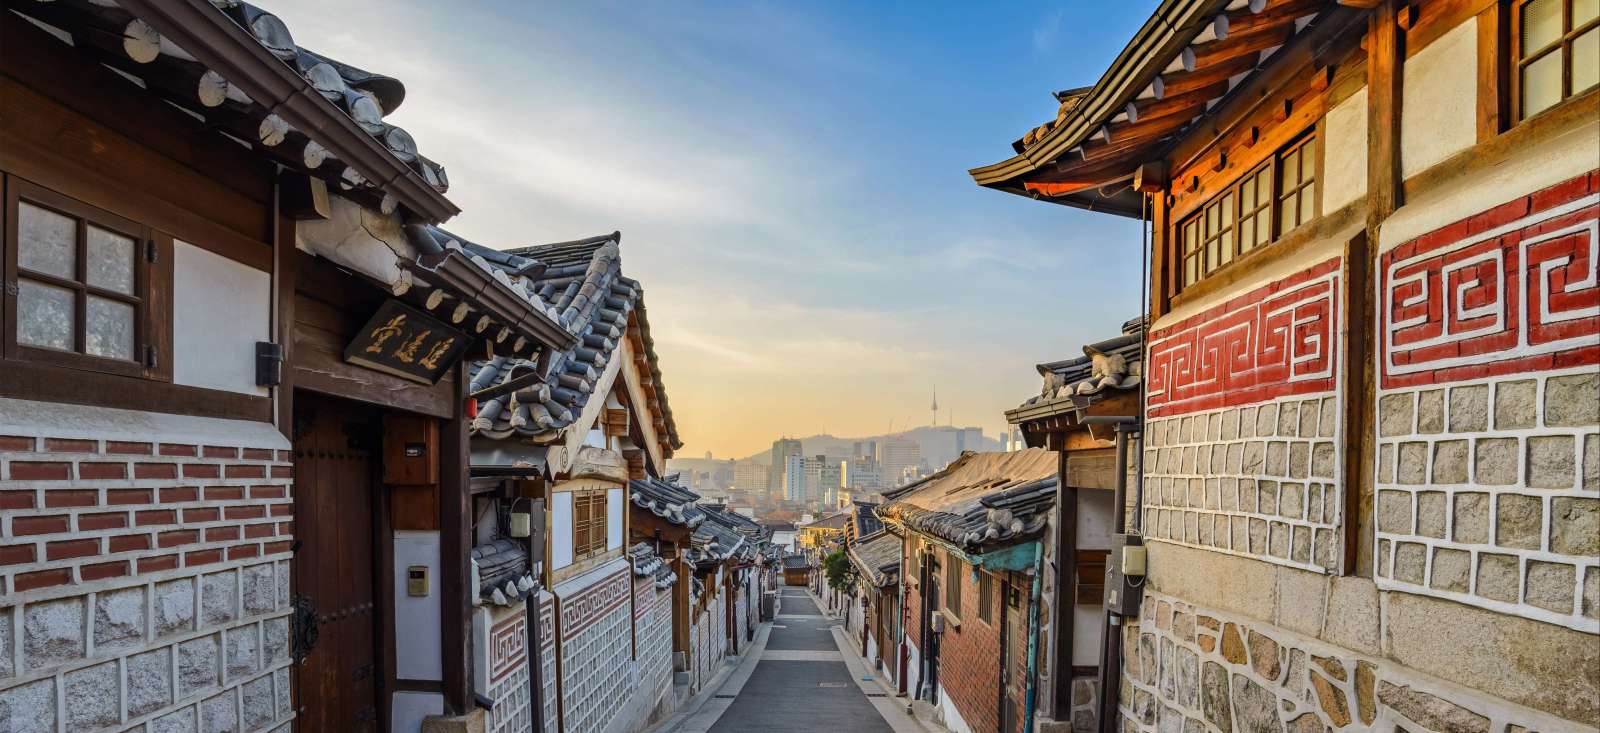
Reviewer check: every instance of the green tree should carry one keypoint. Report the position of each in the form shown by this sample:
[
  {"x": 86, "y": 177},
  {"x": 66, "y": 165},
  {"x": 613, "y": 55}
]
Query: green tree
[{"x": 839, "y": 572}]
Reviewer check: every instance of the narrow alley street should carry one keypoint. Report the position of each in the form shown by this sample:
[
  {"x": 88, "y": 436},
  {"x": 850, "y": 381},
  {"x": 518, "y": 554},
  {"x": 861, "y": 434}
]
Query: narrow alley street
[{"x": 802, "y": 682}]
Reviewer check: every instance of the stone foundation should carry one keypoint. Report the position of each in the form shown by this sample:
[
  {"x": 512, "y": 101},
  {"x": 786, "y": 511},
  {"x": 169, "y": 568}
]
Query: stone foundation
[{"x": 1193, "y": 669}]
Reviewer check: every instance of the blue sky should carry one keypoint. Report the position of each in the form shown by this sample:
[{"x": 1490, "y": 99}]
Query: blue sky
[{"x": 790, "y": 180}]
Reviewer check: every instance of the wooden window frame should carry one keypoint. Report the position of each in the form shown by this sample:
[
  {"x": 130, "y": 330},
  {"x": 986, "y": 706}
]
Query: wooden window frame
[
  {"x": 589, "y": 533},
  {"x": 1179, "y": 250},
  {"x": 952, "y": 587},
  {"x": 152, "y": 313},
  {"x": 985, "y": 598},
  {"x": 1515, "y": 63}
]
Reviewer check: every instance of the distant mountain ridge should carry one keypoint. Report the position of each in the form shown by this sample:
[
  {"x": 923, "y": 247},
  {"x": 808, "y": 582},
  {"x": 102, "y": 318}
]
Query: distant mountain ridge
[{"x": 938, "y": 444}]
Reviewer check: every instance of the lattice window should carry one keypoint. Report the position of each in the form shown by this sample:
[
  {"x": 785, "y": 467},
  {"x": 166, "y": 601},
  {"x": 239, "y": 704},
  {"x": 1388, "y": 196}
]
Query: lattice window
[
  {"x": 588, "y": 523},
  {"x": 1556, "y": 52}
]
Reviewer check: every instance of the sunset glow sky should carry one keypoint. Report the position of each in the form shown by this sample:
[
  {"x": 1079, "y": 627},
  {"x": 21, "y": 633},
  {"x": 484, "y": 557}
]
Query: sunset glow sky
[{"x": 790, "y": 181}]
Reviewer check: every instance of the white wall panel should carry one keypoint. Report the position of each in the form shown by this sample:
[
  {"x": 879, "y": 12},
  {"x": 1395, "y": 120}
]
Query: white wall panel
[
  {"x": 1439, "y": 116},
  {"x": 614, "y": 516},
  {"x": 418, "y": 656},
  {"x": 1344, "y": 153},
  {"x": 561, "y": 530},
  {"x": 221, "y": 308}
]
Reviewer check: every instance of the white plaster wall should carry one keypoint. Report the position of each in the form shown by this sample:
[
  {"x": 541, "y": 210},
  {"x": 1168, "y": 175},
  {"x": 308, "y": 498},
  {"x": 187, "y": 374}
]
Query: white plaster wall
[
  {"x": 1534, "y": 166},
  {"x": 614, "y": 516},
  {"x": 561, "y": 530},
  {"x": 1095, "y": 519},
  {"x": 1439, "y": 117},
  {"x": 1087, "y": 629},
  {"x": 221, "y": 308},
  {"x": 407, "y": 709},
  {"x": 418, "y": 655},
  {"x": 1344, "y": 152},
  {"x": 950, "y": 715}
]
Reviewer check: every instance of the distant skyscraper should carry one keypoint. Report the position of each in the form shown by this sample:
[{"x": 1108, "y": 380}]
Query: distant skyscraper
[
  {"x": 895, "y": 455},
  {"x": 782, "y": 448},
  {"x": 794, "y": 477},
  {"x": 750, "y": 478},
  {"x": 935, "y": 406}
]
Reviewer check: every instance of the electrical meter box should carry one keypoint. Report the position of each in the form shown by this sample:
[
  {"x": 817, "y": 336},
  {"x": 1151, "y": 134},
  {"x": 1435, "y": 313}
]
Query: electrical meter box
[
  {"x": 417, "y": 581},
  {"x": 1124, "y": 590}
]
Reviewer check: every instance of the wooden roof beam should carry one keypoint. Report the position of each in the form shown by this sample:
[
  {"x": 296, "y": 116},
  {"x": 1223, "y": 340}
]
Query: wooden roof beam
[
  {"x": 1182, "y": 82},
  {"x": 1121, "y": 150},
  {"x": 1150, "y": 109},
  {"x": 1237, "y": 45},
  {"x": 1243, "y": 21},
  {"x": 1162, "y": 125}
]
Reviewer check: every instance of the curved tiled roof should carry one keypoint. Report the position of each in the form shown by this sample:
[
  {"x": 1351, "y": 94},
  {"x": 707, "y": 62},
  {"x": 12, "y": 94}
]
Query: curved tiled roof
[
  {"x": 980, "y": 500},
  {"x": 668, "y": 501},
  {"x": 122, "y": 40},
  {"x": 877, "y": 557},
  {"x": 503, "y": 572},
  {"x": 647, "y": 564},
  {"x": 581, "y": 284}
]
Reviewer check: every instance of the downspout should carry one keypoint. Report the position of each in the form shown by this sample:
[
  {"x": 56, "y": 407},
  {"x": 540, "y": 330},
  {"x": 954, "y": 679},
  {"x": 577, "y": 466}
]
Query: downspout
[{"x": 1033, "y": 634}]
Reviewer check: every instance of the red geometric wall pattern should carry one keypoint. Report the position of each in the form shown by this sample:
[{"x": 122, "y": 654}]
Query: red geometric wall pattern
[
  {"x": 1278, "y": 340},
  {"x": 1512, "y": 289}
]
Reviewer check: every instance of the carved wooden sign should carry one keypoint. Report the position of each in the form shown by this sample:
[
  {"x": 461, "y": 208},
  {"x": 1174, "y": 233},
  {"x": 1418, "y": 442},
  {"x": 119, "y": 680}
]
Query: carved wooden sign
[{"x": 407, "y": 343}]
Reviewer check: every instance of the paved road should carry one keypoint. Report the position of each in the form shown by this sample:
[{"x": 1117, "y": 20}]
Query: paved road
[{"x": 801, "y": 683}]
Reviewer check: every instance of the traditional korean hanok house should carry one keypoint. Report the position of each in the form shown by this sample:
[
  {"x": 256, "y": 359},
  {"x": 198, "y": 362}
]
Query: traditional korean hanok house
[
  {"x": 715, "y": 549},
  {"x": 665, "y": 515},
  {"x": 1371, "y": 455},
  {"x": 573, "y": 425},
  {"x": 745, "y": 575},
  {"x": 232, "y": 386},
  {"x": 796, "y": 570},
  {"x": 877, "y": 616},
  {"x": 975, "y": 546},
  {"x": 1088, "y": 406},
  {"x": 863, "y": 521}
]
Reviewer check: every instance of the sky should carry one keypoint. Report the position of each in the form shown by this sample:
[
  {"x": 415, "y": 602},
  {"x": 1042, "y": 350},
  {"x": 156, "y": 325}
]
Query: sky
[{"x": 790, "y": 180}]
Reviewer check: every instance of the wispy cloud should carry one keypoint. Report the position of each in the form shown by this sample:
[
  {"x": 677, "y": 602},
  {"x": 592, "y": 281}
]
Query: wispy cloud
[{"x": 1046, "y": 32}]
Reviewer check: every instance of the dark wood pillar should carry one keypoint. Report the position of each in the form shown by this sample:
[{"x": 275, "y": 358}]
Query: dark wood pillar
[
  {"x": 1065, "y": 602},
  {"x": 455, "y": 548}
]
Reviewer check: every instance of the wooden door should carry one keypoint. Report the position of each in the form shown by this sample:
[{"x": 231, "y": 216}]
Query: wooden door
[{"x": 337, "y": 682}]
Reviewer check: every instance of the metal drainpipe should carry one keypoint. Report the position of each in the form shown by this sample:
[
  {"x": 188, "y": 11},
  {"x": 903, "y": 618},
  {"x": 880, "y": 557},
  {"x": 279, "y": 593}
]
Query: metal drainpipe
[
  {"x": 1033, "y": 634},
  {"x": 1111, "y": 627}
]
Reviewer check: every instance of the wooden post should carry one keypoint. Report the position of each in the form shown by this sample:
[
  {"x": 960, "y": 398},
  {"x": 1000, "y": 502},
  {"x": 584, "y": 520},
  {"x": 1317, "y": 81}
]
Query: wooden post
[
  {"x": 1065, "y": 604},
  {"x": 1360, "y": 393},
  {"x": 1385, "y": 56},
  {"x": 455, "y": 550},
  {"x": 1493, "y": 81}
]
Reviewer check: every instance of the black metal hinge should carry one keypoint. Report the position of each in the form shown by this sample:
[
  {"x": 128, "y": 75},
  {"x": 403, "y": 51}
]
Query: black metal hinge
[
  {"x": 151, "y": 360},
  {"x": 150, "y": 250}
]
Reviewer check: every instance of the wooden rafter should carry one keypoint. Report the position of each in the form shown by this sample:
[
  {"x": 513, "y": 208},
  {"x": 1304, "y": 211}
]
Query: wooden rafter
[
  {"x": 1169, "y": 104},
  {"x": 1243, "y": 21},
  {"x": 1242, "y": 45}
]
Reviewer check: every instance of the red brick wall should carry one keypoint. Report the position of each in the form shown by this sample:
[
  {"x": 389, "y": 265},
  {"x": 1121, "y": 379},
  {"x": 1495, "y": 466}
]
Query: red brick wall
[
  {"x": 969, "y": 659},
  {"x": 114, "y": 548}
]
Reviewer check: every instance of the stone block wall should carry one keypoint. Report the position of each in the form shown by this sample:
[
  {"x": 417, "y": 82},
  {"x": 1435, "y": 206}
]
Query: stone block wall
[
  {"x": 1488, "y": 485},
  {"x": 145, "y": 575},
  {"x": 547, "y": 660},
  {"x": 596, "y": 645},
  {"x": 654, "y": 634},
  {"x": 711, "y": 636},
  {"x": 500, "y": 662},
  {"x": 1260, "y": 481},
  {"x": 1194, "y": 669}
]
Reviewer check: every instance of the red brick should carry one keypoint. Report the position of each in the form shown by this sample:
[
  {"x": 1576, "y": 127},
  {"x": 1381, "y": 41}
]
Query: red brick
[
  {"x": 202, "y": 557},
  {"x": 40, "y": 471},
  {"x": 16, "y": 499},
  {"x": 286, "y": 528},
  {"x": 109, "y": 520},
  {"x": 268, "y": 492},
  {"x": 254, "y": 511},
  {"x": 129, "y": 543},
  {"x": 273, "y": 548},
  {"x": 39, "y": 525},
  {"x": 201, "y": 470},
  {"x": 70, "y": 445},
  {"x": 219, "y": 451},
  {"x": 42, "y": 579},
  {"x": 256, "y": 531},
  {"x": 257, "y": 454},
  {"x": 101, "y": 571},
  {"x": 283, "y": 472},
  {"x": 16, "y": 554},
  {"x": 177, "y": 537},
  {"x": 241, "y": 551},
  {"x": 73, "y": 497},
  {"x": 174, "y": 494},
  {"x": 67, "y": 549},
  {"x": 155, "y": 470},
  {"x": 285, "y": 456},
  {"x": 155, "y": 516},
  {"x": 102, "y": 470},
  {"x": 1553, "y": 196},
  {"x": 222, "y": 534},
  {"x": 282, "y": 510},
  {"x": 201, "y": 514},
  {"x": 224, "y": 493},
  {"x": 174, "y": 449},
  {"x": 16, "y": 443},
  {"x": 159, "y": 562},
  {"x": 129, "y": 496},
  {"x": 247, "y": 471},
  {"x": 125, "y": 448}
]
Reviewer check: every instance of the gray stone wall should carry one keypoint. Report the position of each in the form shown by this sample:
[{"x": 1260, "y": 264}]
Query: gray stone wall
[
  {"x": 1261, "y": 481},
  {"x": 1191, "y": 670},
  {"x": 1488, "y": 493}
]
